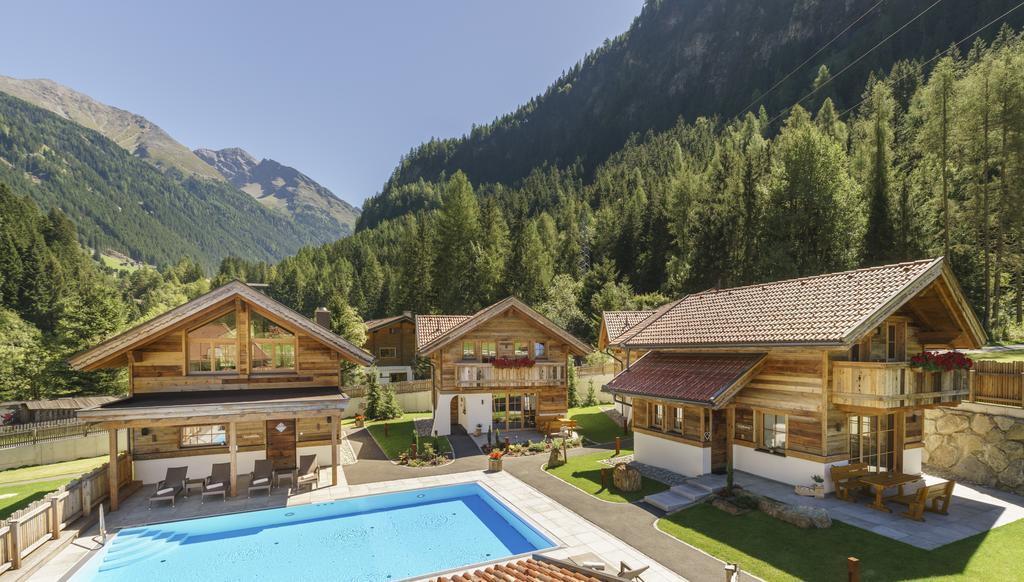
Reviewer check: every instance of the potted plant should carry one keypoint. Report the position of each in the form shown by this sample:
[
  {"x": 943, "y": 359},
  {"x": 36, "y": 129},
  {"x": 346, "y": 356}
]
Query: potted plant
[
  {"x": 494, "y": 461},
  {"x": 360, "y": 420},
  {"x": 817, "y": 490},
  {"x": 479, "y": 429}
]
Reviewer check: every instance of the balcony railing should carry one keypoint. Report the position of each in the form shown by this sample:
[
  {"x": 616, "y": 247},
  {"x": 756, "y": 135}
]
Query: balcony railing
[
  {"x": 477, "y": 375},
  {"x": 894, "y": 385}
]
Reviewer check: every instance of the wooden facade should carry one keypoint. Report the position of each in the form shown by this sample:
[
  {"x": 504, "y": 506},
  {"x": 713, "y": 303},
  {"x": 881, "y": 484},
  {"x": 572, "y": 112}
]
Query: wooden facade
[{"x": 392, "y": 342}]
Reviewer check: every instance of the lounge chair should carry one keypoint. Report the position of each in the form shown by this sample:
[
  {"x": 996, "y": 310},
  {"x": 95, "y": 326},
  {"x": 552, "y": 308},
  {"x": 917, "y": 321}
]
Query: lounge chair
[
  {"x": 591, "y": 566},
  {"x": 261, "y": 476},
  {"x": 917, "y": 502},
  {"x": 218, "y": 482},
  {"x": 631, "y": 573},
  {"x": 309, "y": 472},
  {"x": 172, "y": 484}
]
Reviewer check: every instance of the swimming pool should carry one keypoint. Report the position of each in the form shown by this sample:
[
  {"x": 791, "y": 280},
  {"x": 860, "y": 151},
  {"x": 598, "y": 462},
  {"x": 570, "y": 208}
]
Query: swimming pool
[{"x": 385, "y": 537}]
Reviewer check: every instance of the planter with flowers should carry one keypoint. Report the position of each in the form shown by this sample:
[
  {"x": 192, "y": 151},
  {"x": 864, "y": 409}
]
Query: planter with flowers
[
  {"x": 494, "y": 461},
  {"x": 360, "y": 421},
  {"x": 513, "y": 362},
  {"x": 941, "y": 362},
  {"x": 816, "y": 490}
]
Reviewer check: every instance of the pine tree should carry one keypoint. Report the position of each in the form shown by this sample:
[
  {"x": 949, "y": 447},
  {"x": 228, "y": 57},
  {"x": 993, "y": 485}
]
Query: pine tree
[
  {"x": 874, "y": 142},
  {"x": 458, "y": 230}
]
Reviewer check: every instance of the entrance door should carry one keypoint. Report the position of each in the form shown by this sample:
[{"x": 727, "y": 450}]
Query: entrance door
[
  {"x": 719, "y": 441},
  {"x": 281, "y": 443},
  {"x": 873, "y": 441},
  {"x": 453, "y": 411}
]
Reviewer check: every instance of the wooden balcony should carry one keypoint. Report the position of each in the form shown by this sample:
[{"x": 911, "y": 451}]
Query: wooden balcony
[
  {"x": 477, "y": 375},
  {"x": 890, "y": 385}
]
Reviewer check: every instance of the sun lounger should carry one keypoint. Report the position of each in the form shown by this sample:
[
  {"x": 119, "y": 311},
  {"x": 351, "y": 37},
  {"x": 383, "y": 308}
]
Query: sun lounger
[
  {"x": 261, "y": 477},
  {"x": 172, "y": 484},
  {"x": 218, "y": 482},
  {"x": 631, "y": 573},
  {"x": 309, "y": 472}
]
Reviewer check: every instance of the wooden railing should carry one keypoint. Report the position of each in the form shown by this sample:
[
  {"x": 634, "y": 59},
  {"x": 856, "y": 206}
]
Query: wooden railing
[
  {"x": 477, "y": 375},
  {"x": 399, "y": 388},
  {"x": 16, "y": 435},
  {"x": 999, "y": 383},
  {"x": 30, "y": 528},
  {"x": 596, "y": 370},
  {"x": 895, "y": 384}
]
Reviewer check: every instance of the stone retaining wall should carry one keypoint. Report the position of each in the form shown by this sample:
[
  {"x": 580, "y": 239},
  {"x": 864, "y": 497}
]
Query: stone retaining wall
[{"x": 976, "y": 443}]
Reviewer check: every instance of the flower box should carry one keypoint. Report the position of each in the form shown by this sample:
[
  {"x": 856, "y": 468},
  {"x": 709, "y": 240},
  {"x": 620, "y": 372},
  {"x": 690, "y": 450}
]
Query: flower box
[
  {"x": 816, "y": 490},
  {"x": 494, "y": 461},
  {"x": 513, "y": 362},
  {"x": 941, "y": 362}
]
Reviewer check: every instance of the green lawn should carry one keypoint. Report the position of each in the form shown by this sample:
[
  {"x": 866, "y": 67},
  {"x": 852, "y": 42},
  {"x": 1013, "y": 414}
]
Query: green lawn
[
  {"x": 399, "y": 436},
  {"x": 774, "y": 550},
  {"x": 54, "y": 470},
  {"x": 999, "y": 356},
  {"x": 596, "y": 426},
  {"x": 584, "y": 472},
  {"x": 22, "y": 495}
]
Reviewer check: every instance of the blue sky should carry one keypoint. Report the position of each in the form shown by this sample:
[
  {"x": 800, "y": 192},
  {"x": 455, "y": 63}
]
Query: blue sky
[{"x": 340, "y": 90}]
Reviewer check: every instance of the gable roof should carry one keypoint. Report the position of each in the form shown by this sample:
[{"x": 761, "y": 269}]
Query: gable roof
[
  {"x": 95, "y": 357},
  {"x": 615, "y": 323},
  {"x": 440, "y": 330},
  {"x": 372, "y": 324},
  {"x": 828, "y": 310},
  {"x": 702, "y": 378}
]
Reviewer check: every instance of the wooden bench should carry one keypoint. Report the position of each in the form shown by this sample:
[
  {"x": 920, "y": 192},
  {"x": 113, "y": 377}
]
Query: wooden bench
[
  {"x": 554, "y": 427},
  {"x": 846, "y": 479},
  {"x": 917, "y": 502}
]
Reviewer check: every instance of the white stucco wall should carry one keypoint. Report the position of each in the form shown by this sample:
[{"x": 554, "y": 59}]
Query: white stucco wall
[
  {"x": 94, "y": 444},
  {"x": 409, "y": 401},
  {"x": 672, "y": 455},
  {"x": 153, "y": 470},
  {"x": 912, "y": 461},
  {"x": 384, "y": 373},
  {"x": 443, "y": 415},
  {"x": 789, "y": 470},
  {"x": 322, "y": 452},
  {"x": 477, "y": 411}
]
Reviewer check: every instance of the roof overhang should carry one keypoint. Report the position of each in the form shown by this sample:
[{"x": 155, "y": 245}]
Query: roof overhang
[{"x": 708, "y": 380}]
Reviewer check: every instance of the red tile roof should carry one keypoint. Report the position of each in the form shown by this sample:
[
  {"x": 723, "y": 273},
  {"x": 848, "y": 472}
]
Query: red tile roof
[
  {"x": 618, "y": 322},
  {"x": 695, "y": 377},
  {"x": 431, "y": 327},
  {"x": 529, "y": 570},
  {"x": 823, "y": 309}
]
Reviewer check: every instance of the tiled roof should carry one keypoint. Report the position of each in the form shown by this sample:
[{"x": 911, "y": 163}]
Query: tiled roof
[
  {"x": 431, "y": 327},
  {"x": 617, "y": 322},
  {"x": 696, "y": 377},
  {"x": 823, "y": 309},
  {"x": 529, "y": 570}
]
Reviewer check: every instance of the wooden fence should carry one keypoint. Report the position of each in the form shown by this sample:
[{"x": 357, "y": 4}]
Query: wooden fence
[
  {"x": 359, "y": 390},
  {"x": 998, "y": 383},
  {"x": 30, "y": 528},
  {"x": 16, "y": 435},
  {"x": 596, "y": 370}
]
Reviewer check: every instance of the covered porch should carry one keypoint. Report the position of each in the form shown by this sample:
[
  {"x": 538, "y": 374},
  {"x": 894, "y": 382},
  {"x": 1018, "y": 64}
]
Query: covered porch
[{"x": 198, "y": 429}]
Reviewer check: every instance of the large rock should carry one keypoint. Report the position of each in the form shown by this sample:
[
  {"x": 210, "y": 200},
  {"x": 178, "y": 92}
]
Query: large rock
[
  {"x": 1013, "y": 449},
  {"x": 1013, "y": 475},
  {"x": 1004, "y": 422},
  {"x": 943, "y": 456},
  {"x": 972, "y": 469},
  {"x": 798, "y": 515},
  {"x": 951, "y": 423},
  {"x": 929, "y": 425},
  {"x": 968, "y": 443},
  {"x": 981, "y": 423},
  {"x": 933, "y": 441},
  {"x": 626, "y": 478},
  {"x": 992, "y": 456},
  {"x": 1016, "y": 432}
]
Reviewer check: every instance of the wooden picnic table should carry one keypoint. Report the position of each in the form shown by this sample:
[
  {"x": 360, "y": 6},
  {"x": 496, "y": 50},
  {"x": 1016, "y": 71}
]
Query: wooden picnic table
[{"x": 879, "y": 482}]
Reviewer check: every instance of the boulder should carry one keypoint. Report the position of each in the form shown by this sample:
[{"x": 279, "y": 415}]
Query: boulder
[
  {"x": 626, "y": 478},
  {"x": 798, "y": 515},
  {"x": 943, "y": 456},
  {"x": 981, "y": 423},
  {"x": 972, "y": 469},
  {"x": 1004, "y": 422},
  {"x": 555, "y": 458},
  {"x": 968, "y": 443},
  {"x": 1013, "y": 475},
  {"x": 933, "y": 441},
  {"x": 951, "y": 423},
  {"x": 1016, "y": 432},
  {"x": 1013, "y": 449},
  {"x": 929, "y": 425},
  {"x": 992, "y": 456},
  {"x": 727, "y": 506}
]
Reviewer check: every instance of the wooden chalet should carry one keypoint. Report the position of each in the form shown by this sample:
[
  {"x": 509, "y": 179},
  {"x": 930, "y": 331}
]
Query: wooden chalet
[
  {"x": 231, "y": 376},
  {"x": 786, "y": 379},
  {"x": 392, "y": 341},
  {"x": 503, "y": 367}
]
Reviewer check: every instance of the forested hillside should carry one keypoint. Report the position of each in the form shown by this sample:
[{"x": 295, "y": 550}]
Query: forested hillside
[
  {"x": 929, "y": 163},
  {"x": 689, "y": 58},
  {"x": 119, "y": 201}
]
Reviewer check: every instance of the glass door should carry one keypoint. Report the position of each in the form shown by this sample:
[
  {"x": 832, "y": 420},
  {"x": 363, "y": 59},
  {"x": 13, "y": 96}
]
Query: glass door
[
  {"x": 873, "y": 440},
  {"x": 530, "y": 411},
  {"x": 515, "y": 411},
  {"x": 499, "y": 410}
]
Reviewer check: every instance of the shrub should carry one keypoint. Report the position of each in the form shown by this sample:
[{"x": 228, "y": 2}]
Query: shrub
[
  {"x": 571, "y": 382},
  {"x": 591, "y": 399},
  {"x": 536, "y": 447}
]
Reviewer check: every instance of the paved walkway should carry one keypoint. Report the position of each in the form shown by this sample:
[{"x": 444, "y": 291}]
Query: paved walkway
[{"x": 374, "y": 466}]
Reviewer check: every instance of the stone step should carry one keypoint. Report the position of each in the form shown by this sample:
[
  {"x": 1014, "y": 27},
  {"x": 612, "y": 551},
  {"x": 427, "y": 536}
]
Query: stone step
[
  {"x": 691, "y": 491},
  {"x": 669, "y": 501},
  {"x": 710, "y": 483}
]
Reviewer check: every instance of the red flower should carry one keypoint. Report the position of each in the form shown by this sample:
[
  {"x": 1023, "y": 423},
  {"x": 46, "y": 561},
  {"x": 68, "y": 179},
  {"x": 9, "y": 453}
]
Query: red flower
[
  {"x": 495, "y": 454},
  {"x": 513, "y": 362},
  {"x": 944, "y": 362}
]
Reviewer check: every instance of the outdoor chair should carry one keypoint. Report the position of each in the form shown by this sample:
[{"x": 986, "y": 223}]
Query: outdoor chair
[
  {"x": 172, "y": 484},
  {"x": 309, "y": 472},
  {"x": 261, "y": 476},
  {"x": 918, "y": 502},
  {"x": 218, "y": 481},
  {"x": 631, "y": 573},
  {"x": 846, "y": 479}
]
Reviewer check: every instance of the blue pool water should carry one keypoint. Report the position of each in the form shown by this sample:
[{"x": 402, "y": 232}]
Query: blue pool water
[{"x": 377, "y": 538}]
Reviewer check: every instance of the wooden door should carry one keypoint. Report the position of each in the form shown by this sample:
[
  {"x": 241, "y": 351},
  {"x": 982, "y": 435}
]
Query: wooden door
[
  {"x": 719, "y": 440},
  {"x": 454, "y": 411},
  {"x": 281, "y": 443}
]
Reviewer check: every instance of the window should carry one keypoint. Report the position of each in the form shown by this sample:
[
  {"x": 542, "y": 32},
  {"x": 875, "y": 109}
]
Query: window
[
  {"x": 522, "y": 349},
  {"x": 394, "y": 330},
  {"x": 207, "y": 435},
  {"x": 387, "y": 352},
  {"x": 773, "y": 432},
  {"x": 896, "y": 342},
  {"x": 872, "y": 440},
  {"x": 213, "y": 346},
  {"x": 273, "y": 347},
  {"x": 658, "y": 419},
  {"x": 677, "y": 419},
  {"x": 468, "y": 351},
  {"x": 540, "y": 351},
  {"x": 488, "y": 351},
  {"x": 398, "y": 377}
]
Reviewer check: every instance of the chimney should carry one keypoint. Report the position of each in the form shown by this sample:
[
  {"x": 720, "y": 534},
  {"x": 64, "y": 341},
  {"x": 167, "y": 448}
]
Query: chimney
[
  {"x": 322, "y": 317},
  {"x": 407, "y": 314}
]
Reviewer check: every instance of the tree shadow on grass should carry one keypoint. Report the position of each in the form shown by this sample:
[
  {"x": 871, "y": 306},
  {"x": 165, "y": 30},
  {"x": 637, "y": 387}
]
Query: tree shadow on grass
[{"x": 22, "y": 503}]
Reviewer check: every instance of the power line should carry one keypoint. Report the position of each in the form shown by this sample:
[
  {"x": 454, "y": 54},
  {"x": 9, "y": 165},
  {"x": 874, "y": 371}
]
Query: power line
[
  {"x": 854, "y": 62},
  {"x": 810, "y": 58},
  {"x": 939, "y": 55}
]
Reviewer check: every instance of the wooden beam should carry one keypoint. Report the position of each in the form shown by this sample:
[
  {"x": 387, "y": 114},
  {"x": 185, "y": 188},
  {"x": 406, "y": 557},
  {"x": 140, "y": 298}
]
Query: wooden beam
[
  {"x": 112, "y": 470},
  {"x": 334, "y": 449},
  {"x": 233, "y": 454}
]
